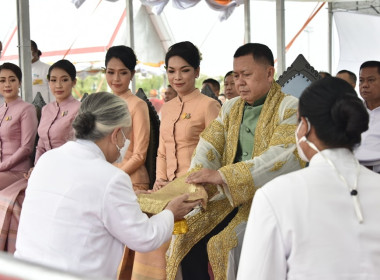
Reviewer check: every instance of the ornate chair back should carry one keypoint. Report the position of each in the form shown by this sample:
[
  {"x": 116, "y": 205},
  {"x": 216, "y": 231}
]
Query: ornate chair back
[
  {"x": 38, "y": 103},
  {"x": 150, "y": 162},
  {"x": 298, "y": 76}
]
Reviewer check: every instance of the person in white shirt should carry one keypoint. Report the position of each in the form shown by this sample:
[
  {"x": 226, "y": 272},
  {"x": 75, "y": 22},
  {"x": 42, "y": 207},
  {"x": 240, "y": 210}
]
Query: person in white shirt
[
  {"x": 320, "y": 222},
  {"x": 40, "y": 71},
  {"x": 80, "y": 210},
  {"x": 368, "y": 152}
]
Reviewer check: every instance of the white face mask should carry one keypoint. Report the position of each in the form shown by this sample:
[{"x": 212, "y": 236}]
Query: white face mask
[
  {"x": 123, "y": 149},
  {"x": 304, "y": 139}
]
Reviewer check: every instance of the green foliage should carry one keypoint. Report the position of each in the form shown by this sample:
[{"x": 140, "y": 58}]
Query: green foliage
[
  {"x": 149, "y": 82},
  {"x": 198, "y": 82},
  {"x": 97, "y": 82},
  {"x": 90, "y": 84}
]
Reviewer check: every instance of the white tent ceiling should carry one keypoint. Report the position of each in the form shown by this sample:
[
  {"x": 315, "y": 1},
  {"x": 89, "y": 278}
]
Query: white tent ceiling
[
  {"x": 58, "y": 26},
  {"x": 80, "y": 35}
]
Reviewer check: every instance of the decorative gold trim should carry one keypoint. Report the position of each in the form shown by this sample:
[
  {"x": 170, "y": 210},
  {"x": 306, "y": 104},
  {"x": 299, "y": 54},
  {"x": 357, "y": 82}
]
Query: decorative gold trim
[
  {"x": 232, "y": 126},
  {"x": 210, "y": 155},
  {"x": 268, "y": 120},
  {"x": 219, "y": 245},
  {"x": 239, "y": 176},
  {"x": 284, "y": 134},
  {"x": 278, "y": 165},
  {"x": 198, "y": 226},
  {"x": 289, "y": 113},
  {"x": 214, "y": 135},
  {"x": 302, "y": 163}
]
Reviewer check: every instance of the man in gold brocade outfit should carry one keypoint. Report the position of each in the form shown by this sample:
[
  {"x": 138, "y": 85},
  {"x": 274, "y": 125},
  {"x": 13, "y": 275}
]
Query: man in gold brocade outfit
[{"x": 251, "y": 142}]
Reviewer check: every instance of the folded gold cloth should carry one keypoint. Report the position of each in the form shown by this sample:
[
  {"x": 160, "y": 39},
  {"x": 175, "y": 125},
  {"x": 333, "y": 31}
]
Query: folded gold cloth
[{"x": 155, "y": 202}]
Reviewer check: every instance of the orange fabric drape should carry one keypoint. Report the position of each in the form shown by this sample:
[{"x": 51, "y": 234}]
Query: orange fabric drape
[{"x": 223, "y": 2}]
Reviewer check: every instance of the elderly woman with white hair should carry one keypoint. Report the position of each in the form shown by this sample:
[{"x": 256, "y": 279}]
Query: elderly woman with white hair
[{"x": 80, "y": 210}]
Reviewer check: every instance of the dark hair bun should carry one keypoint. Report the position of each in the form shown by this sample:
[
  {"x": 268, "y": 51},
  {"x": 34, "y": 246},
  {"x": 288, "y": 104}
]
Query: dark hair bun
[
  {"x": 350, "y": 119},
  {"x": 84, "y": 124},
  {"x": 336, "y": 112}
]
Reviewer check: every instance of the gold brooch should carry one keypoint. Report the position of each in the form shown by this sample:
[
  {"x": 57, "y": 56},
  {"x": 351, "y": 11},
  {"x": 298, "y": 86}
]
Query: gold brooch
[
  {"x": 185, "y": 116},
  {"x": 8, "y": 118},
  {"x": 64, "y": 113}
]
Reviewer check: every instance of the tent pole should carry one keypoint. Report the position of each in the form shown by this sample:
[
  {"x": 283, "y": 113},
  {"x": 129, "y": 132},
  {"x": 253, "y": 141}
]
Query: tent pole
[
  {"x": 24, "y": 50},
  {"x": 280, "y": 27},
  {"x": 130, "y": 32},
  {"x": 247, "y": 21},
  {"x": 330, "y": 26}
]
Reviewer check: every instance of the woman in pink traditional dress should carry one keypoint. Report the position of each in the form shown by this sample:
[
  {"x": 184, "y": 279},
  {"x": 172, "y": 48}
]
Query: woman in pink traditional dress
[
  {"x": 18, "y": 127},
  {"x": 54, "y": 130}
]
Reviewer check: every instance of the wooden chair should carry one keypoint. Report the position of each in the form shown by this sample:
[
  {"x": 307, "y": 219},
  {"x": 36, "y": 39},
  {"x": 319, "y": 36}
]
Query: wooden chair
[
  {"x": 150, "y": 162},
  {"x": 298, "y": 76}
]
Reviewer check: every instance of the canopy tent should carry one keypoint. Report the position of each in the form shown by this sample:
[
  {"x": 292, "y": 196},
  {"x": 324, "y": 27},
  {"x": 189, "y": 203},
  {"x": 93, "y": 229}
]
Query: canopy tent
[
  {"x": 83, "y": 34},
  {"x": 80, "y": 35}
]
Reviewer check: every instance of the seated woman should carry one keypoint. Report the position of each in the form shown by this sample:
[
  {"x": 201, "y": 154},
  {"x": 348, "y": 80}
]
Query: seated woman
[
  {"x": 321, "y": 222},
  {"x": 80, "y": 210},
  {"x": 120, "y": 68},
  {"x": 182, "y": 121},
  {"x": 18, "y": 127},
  {"x": 55, "y": 126},
  {"x": 184, "y": 117},
  {"x": 54, "y": 130}
]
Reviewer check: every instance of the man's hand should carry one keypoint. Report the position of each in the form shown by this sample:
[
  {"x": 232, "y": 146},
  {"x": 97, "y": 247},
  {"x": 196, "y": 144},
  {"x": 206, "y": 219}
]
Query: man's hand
[
  {"x": 205, "y": 176},
  {"x": 180, "y": 207}
]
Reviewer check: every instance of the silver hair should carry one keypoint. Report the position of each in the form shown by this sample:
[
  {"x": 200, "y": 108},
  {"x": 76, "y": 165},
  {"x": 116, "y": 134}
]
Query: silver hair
[{"x": 99, "y": 114}]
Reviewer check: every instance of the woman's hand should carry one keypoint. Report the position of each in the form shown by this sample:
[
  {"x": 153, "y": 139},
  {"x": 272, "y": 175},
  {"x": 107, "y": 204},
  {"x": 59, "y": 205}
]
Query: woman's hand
[
  {"x": 205, "y": 176},
  {"x": 180, "y": 206},
  {"x": 159, "y": 184},
  {"x": 27, "y": 175}
]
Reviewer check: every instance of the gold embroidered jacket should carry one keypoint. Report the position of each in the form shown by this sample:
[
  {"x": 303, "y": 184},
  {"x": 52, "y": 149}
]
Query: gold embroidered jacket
[{"x": 274, "y": 153}]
